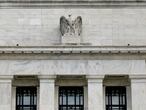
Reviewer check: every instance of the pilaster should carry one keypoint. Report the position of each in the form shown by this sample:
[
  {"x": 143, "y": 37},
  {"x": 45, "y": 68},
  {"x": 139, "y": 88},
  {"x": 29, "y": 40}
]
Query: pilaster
[
  {"x": 138, "y": 92},
  {"x": 47, "y": 93},
  {"x": 6, "y": 92},
  {"x": 95, "y": 92}
]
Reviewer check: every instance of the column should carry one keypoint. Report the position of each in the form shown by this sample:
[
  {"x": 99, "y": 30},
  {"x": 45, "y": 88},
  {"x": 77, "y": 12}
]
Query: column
[
  {"x": 95, "y": 92},
  {"x": 47, "y": 93},
  {"x": 138, "y": 92},
  {"x": 56, "y": 97},
  {"x": 5, "y": 92},
  {"x": 13, "y": 98}
]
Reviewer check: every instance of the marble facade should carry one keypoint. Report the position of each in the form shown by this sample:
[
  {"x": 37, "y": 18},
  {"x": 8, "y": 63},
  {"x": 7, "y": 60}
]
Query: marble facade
[{"x": 111, "y": 51}]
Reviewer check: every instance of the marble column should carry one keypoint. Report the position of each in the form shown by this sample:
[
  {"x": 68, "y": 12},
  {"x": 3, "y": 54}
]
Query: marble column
[
  {"x": 138, "y": 92},
  {"x": 47, "y": 93},
  {"x": 95, "y": 92},
  {"x": 5, "y": 92}
]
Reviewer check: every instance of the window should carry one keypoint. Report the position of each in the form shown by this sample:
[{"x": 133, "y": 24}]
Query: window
[
  {"x": 71, "y": 98},
  {"x": 116, "y": 98},
  {"x": 26, "y": 98}
]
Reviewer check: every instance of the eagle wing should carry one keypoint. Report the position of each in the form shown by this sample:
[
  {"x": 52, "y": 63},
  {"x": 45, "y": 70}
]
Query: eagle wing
[
  {"x": 63, "y": 25},
  {"x": 78, "y": 25}
]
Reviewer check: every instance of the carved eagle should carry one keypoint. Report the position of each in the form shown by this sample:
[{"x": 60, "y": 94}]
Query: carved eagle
[{"x": 71, "y": 27}]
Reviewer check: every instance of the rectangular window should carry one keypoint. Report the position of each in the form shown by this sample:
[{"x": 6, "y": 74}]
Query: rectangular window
[
  {"x": 116, "y": 98},
  {"x": 26, "y": 98},
  {"x": 71, "y": 98}
]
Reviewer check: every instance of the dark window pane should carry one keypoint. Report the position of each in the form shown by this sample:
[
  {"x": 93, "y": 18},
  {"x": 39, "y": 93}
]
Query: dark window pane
[
  {"x": 64, "y": 99},
  {"x": 116, "y": 98},
  {"x": 77, "y": 99},
  {"x": 71, "y": 98},
  {"x": 26, "y": 98}
]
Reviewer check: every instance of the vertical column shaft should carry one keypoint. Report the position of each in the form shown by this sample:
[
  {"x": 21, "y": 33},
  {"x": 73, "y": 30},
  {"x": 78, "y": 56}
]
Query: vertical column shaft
[
  {"x": 95, "y": 92},
  {"x": 138, "y": 92},
  {"x": 5, "y": 92},
  {"x": 47, "y": 93}
]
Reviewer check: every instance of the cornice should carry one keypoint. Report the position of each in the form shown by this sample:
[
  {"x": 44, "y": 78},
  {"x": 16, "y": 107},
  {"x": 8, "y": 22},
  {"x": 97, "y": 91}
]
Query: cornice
[
  {"x": 70, "y": 49},
  {"x": 70, "y": 3}
]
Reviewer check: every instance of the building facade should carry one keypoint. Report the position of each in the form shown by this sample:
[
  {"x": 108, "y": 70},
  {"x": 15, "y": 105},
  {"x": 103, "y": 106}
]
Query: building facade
[{"x": 94, "y": 60}]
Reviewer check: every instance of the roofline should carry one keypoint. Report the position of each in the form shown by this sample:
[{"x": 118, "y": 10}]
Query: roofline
[{"x": 71, "y": 3}]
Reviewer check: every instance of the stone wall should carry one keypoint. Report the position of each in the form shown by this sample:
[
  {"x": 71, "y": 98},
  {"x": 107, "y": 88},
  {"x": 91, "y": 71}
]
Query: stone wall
[{"x": 101, "y": 26}]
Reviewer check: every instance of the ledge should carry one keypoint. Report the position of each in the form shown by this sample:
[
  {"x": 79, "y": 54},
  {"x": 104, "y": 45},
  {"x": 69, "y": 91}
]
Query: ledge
[
  {"x": 74, "y": 50},
  {"x": 70, "y": 3},
  {"x": 47, "y": 78},
  {"x": 95, "y": 78}
]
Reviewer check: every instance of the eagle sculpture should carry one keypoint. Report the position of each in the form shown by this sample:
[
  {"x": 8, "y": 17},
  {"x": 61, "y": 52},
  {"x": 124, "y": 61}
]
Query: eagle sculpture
[{"x": 69, "y": 27}]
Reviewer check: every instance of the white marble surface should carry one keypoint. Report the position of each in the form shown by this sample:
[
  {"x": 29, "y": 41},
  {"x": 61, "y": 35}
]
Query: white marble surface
[
  {"x": 5, "y": 94},
  {"x": 110, "y": 26},
  {"x": 95, "y": 94},
  {"x": 138, "y": 94},
  {"x": 47, "y": 94},
  {"x": 66, "y": 39},
  {"x": 71, "y": 67}
]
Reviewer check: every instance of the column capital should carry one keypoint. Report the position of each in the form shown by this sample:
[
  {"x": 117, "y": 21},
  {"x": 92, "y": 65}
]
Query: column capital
[
  {"x": 95, "y": 78},
  {"x": 137, "y": 78},
  {"x": 47, "y": 78},
  {"x": 6, "y": 78}
]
